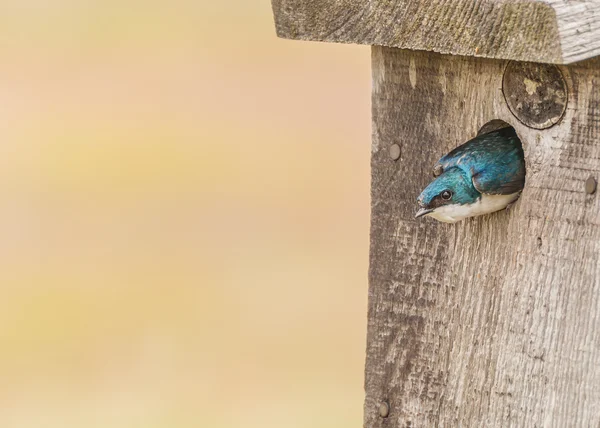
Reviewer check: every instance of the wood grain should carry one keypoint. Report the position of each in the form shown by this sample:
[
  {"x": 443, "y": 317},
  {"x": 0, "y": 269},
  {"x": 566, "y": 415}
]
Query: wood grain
[
  {"x": 579, "y": 28},
  {"x": 493, "y": 321},
  {"x": 549, "y": 31}
]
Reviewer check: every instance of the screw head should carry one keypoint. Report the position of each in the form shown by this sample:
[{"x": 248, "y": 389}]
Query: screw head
[
  {"x": 384, "y": 409},
  {"x": 395, "y": 151},
  {"x": 590, "y": 185}
]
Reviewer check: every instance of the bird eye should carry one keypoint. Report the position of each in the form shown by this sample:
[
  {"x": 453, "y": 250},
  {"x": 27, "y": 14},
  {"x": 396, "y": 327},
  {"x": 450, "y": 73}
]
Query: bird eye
[{"x": 446, "y": 195}]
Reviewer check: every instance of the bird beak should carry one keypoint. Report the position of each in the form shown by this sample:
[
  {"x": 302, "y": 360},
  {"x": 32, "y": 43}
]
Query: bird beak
[{"x": 422, "y": 212}]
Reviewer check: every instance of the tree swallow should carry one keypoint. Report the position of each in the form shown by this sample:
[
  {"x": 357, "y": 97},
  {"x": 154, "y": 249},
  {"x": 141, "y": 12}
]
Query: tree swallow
[{"x": 484, "y": 175}]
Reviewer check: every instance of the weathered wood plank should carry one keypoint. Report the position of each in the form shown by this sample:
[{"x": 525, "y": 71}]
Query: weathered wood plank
[
  {"x": 579, "y": 28},
  {"x": 551, "y": 31},
  {"x": 493, "y": 321}
]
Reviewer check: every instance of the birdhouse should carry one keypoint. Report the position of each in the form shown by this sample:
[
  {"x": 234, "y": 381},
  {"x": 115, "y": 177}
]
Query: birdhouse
[{"x": 493, "y": 321}]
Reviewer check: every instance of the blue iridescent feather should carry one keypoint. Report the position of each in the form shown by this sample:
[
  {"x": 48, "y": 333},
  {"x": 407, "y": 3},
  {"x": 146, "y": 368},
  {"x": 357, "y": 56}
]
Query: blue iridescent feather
[
  {"x": 484, "y": 175},
  {"x": 495, "y": 162}
]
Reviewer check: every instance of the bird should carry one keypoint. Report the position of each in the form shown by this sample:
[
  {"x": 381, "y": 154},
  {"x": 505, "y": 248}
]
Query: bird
[{"x": 483, "y": 175}]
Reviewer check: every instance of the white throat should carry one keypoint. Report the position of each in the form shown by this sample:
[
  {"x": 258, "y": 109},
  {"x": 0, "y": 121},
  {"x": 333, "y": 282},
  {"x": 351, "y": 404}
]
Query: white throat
[{"x": 484, "y": 205}]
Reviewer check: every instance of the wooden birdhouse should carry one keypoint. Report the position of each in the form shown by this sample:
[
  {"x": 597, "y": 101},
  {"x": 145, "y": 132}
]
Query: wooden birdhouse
[{"x": 493, "y": 321}]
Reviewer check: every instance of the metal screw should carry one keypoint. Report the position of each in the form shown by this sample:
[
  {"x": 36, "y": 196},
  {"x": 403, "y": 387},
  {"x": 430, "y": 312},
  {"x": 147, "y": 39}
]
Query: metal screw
[
  {"x": 384, "y": 409},
  {"x": 590, "y": 185},
  {"x": 395, "y": 151}
]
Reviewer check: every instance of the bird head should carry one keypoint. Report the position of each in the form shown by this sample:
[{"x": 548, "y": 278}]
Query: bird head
[{"x": 447, "y": 196}]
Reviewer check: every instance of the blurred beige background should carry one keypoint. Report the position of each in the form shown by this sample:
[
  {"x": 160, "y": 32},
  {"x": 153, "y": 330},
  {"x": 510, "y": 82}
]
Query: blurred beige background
[{"x": 184, "y": 218}]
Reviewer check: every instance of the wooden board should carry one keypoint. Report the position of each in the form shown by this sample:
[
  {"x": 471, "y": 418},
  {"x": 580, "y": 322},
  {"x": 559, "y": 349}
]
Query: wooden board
[
  {"x": 551, "y": 31},
  {"x": 493, "y": 321}
]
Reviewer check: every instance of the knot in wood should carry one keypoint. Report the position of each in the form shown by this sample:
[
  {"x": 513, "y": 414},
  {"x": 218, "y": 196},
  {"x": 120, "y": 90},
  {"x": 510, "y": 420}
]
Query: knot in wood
[{"x": 536, "y": 94}]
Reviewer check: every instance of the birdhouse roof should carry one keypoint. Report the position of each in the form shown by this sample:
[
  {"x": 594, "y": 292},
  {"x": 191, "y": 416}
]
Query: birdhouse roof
[{"x": 549, "y": 31}]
